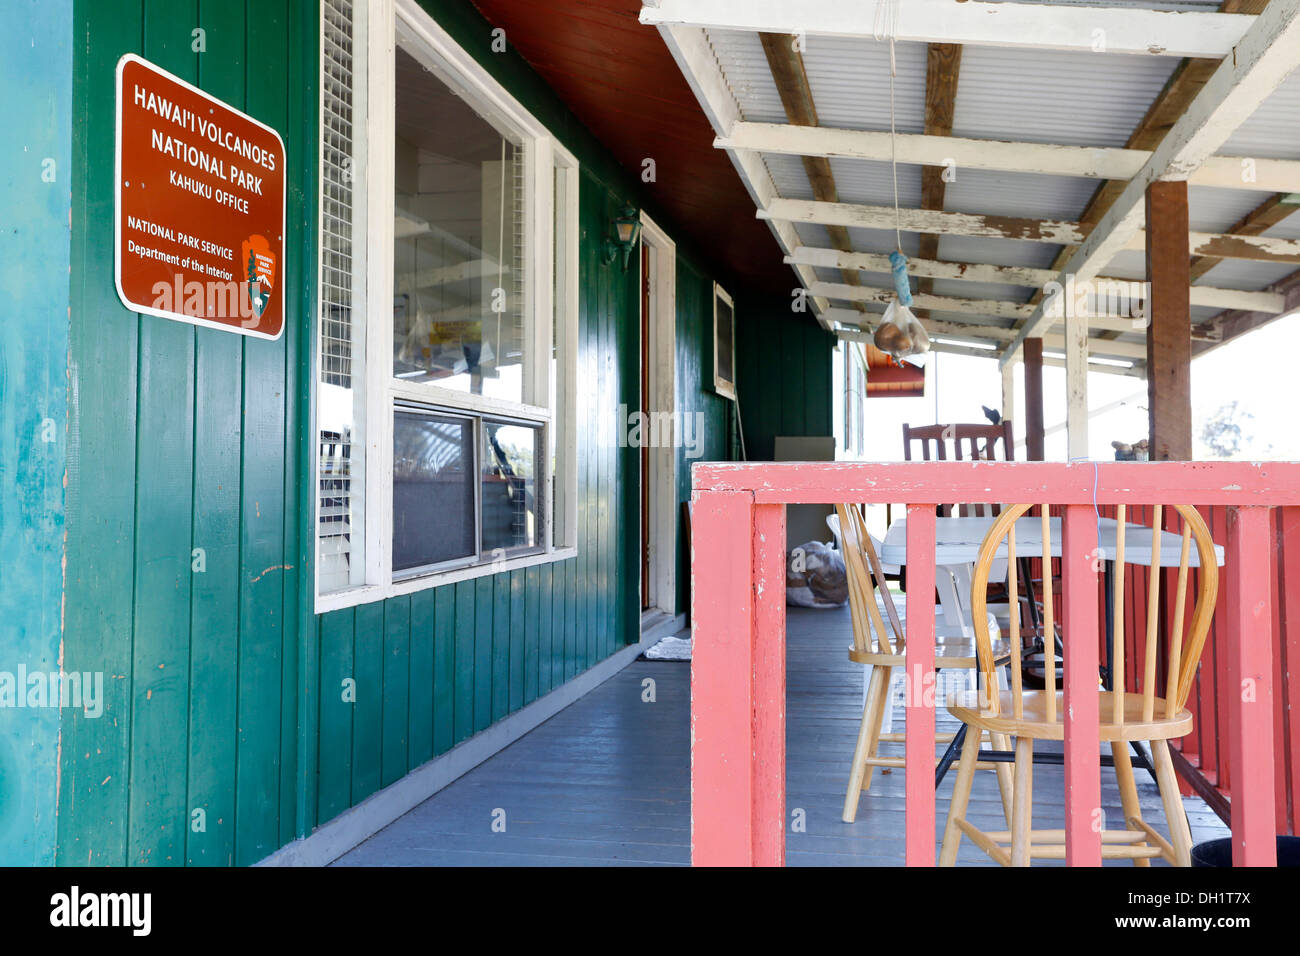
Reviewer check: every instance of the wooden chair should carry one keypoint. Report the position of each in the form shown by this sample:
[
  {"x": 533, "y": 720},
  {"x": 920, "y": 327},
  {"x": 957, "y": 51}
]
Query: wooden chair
[
  {"x": 945, "y": 443},
  {"x": 1031, "y": 715},
  {"x": 979, "y": 442},
  {"x": 874, "y": 647}
]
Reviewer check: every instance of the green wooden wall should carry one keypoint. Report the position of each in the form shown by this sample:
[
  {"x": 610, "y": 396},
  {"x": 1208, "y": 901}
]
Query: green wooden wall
[
  {"x": 36, "y": 53},
  {"x": 182, "y": 439},
  {"x": 711, "y": 413},
  {"x": 436, "y": 667},
  {"x": 783, "y": 374},
  {"x": 226, "y": 733}
]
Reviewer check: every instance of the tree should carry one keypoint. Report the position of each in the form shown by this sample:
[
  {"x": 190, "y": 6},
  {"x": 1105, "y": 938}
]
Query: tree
[{"x": 1222, "y": 433}]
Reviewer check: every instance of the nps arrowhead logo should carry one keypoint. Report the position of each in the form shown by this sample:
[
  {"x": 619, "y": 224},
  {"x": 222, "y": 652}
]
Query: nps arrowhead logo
[{"x": 259, "y": 261}]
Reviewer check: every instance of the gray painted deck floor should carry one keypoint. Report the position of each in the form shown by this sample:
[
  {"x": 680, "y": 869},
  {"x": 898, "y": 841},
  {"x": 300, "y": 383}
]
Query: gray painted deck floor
[{"x": 606, "y": 781}]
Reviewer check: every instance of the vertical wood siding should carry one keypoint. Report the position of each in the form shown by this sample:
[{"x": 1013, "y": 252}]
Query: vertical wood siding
[
  {"x": 783, "y": 368},
  {"x": 36, "y": 50},
  {"x": 224, "y": 693},
  {"x": 1205, "y": 767},
  {"x": 180, "y": 439}
]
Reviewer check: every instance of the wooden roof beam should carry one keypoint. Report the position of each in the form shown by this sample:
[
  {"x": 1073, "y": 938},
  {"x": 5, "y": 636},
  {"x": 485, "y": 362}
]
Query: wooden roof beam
[
  {"x": 1256, "y": 248},
  {"x": 1263, "y": 217},
  {"x": 791, "y": 78},
  {"x": 1019, "y": 25},
  {"x": 694, "y": 55},
  {"x": 935, "y": 150},
  {"x": 942, "y": 69},
  {"x": 1208, "y": 296},
  {"x": 1180, "y": 89},
  {"x": 1263, "y": 59}
]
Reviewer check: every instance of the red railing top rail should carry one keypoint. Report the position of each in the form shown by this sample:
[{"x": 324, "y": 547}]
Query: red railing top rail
[{"x": 1083, "y": 482}]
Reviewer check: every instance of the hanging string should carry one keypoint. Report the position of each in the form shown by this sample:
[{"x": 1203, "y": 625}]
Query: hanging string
[
  {"x": 885, "y": 27},
  {"x": 893, "y": 148}
]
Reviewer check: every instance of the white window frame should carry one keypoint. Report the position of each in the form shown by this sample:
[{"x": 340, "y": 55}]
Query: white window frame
[
  {"x": 724, "y": 387},
  {"x": 545, "y": 303}
]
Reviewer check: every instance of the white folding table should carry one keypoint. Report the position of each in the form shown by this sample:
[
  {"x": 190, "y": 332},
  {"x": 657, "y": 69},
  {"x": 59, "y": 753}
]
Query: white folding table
[{"x": 957, "y": 543}]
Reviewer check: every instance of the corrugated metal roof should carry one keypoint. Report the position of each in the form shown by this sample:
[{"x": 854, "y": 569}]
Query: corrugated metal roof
[
  {"x": 1273, "y": 130},
  {"x": 849, "y": 79},
  {"x": 740, "y": 54},
  {"x": 1217, "y": 210},
  {"x": 1069, "y": 98},
  {"x": 1041, "y": 96},
  {"x": 1018, "y": 194},
  {"x": 873, "y": 184}
]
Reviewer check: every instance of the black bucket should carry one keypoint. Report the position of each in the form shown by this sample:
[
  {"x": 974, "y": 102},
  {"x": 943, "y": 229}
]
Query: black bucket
[{"x": 1219, "y": 852}]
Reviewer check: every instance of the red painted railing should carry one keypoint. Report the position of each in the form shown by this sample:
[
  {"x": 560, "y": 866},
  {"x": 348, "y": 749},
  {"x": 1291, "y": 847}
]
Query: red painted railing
[
  {"x": 738, "y": 607},
  {"x": 1201, "y": 756}
]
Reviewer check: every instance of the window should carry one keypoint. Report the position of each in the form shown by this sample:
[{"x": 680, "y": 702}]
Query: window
[
  {"x": 448, "y": 278},
  {"x": 724, "y": 343}
]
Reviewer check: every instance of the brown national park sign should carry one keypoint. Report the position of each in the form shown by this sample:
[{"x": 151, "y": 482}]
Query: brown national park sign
[{"x": 199, "y": 217}]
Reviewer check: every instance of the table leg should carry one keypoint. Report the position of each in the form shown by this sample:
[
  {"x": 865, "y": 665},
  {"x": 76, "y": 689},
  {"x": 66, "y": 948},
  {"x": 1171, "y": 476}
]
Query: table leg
[{"x": 949, "y": 755}]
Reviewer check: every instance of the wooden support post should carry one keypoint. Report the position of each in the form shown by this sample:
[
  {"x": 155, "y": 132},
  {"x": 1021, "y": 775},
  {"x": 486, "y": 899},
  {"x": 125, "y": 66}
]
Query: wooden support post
[
  {"x": 738, "y": 682},
  {"x": 1082, "y": 769},
  {"x": 920, "y": 686},
  {"x": 722, "y": 615},
  {"x": 1076, "y": 383},
  {"x": 1034, "y": 437},
  {"x": 1250, "y": 685},
  {"x": 1009, "y": 392},
  {"x": 1169, "y": 332}
]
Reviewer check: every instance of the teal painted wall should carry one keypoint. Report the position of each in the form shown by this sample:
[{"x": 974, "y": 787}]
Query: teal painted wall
[
  {"x": 225, "y": 734},
  {"x": 35, "y": 194},
  {"x": 783, "y": 374},
  {"x": 180, "y": 439},
  {"x": 711, "y": 413}
]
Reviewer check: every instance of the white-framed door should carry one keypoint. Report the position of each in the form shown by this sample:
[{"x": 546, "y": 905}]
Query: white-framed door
[{"x": 659, "y": 510}]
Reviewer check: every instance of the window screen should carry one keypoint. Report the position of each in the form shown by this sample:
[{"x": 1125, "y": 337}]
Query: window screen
[{"x": 433, "y": 489}]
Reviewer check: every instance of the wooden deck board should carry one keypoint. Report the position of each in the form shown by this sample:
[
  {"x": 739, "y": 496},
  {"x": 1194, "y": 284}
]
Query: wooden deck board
[{"x": 607, "y": 780}]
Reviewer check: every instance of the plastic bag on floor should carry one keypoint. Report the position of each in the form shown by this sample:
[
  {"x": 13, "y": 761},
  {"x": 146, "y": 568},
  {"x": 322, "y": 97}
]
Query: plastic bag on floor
[{"x": 815, "y": 576}]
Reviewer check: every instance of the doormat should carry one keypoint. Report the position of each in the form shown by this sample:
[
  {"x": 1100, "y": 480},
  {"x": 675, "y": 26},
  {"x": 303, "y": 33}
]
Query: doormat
[{"x": 670, "y": 649}]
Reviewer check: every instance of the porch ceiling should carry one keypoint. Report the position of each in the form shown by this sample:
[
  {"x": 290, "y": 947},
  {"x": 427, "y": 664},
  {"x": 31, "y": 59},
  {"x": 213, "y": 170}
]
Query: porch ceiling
[
  {"x": 620, "y": 80},
  {"x": 1121, "y": 119}
]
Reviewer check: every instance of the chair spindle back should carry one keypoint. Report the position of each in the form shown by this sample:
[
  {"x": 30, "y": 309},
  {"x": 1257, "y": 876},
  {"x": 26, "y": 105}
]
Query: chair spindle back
[
  {"x": 961, "y": 443},
  {"x": 1182, "y": 650},
  {"x": 862, "y": 565}
]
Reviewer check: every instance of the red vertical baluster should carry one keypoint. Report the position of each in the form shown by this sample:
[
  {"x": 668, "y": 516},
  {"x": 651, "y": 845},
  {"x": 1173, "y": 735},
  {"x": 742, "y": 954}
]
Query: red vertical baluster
[
  {"x": 1083, "y": 814},
  {"x": 769, "y": 685},
  {"x": 920, "y": 685},
  {"x": 1249, "y": 687}
]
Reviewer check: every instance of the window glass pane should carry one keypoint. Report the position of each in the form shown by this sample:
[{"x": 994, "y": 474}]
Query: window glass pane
[
  {"x": 433, "y": 489},
  {"x": 510, "y": 456},
  {"x": 458, "y": 255},
  {"x": 726, "y": 362}
]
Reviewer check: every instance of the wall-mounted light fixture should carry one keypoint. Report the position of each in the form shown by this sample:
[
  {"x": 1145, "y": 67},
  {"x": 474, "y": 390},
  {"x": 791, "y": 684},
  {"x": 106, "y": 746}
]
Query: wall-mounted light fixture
[{"x": 627, "y": 228}]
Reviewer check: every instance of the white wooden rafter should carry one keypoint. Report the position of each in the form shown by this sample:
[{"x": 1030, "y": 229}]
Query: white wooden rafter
[
  {"x": 1266, "y": 55},
  {"x": 1271, "y": 303},
  {"x": 696, "y": 59},
  {"x": 1049, "y": 159},
  {"x": 1053, "y": 231},
  {"x": 1026, "y": 26}
]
